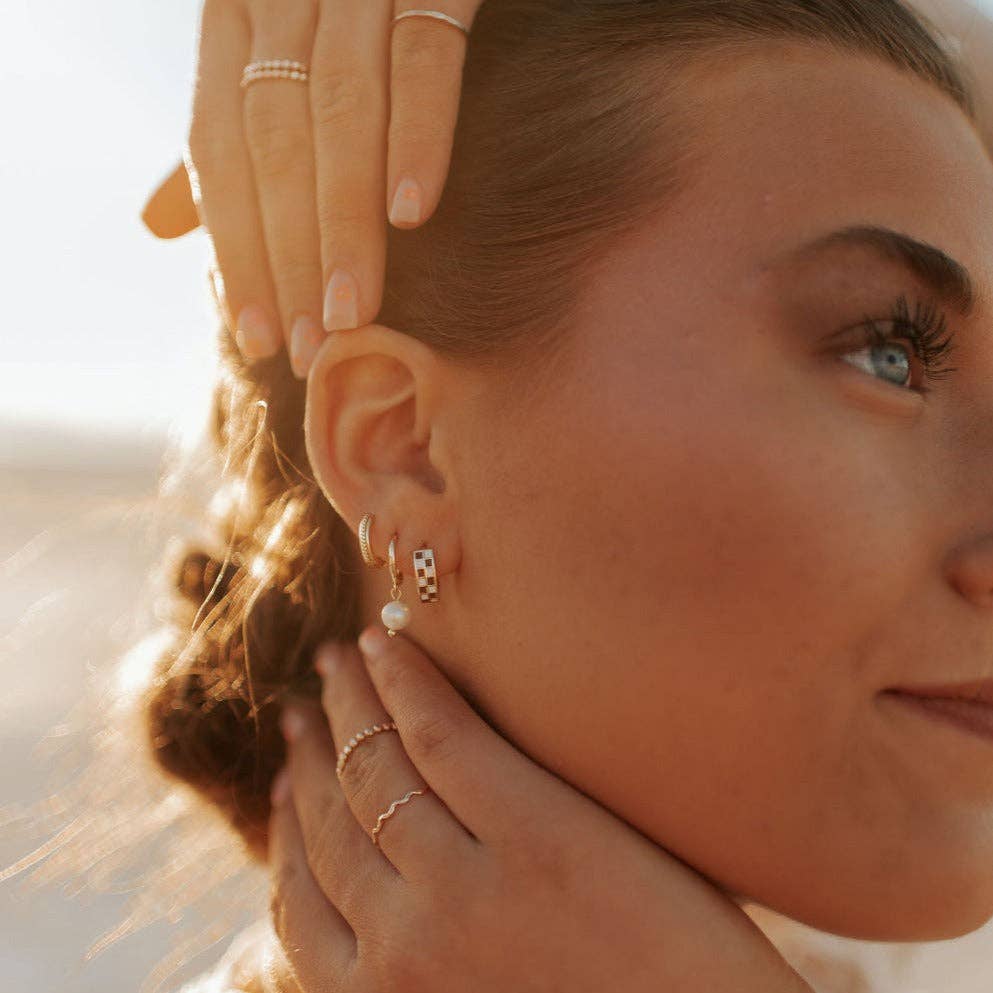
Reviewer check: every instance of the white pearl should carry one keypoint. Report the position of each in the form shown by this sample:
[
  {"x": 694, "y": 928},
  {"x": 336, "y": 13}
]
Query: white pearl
[{"x": 396, "y": 615}]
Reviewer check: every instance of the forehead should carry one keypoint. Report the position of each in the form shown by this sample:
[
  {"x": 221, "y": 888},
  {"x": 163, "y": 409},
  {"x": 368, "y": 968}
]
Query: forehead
[{"x": 796, "y": 137}]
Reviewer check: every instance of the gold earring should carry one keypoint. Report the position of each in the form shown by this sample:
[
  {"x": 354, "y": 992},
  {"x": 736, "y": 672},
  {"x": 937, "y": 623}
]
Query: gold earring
[
  {"x": 427, "y": 574},
  {"x": 368, "y": 555},
  {"x": 395, "y": 614}
]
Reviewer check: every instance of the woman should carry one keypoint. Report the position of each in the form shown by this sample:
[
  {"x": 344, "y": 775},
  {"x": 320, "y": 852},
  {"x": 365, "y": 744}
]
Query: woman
[{"x": 664, "y": 392}]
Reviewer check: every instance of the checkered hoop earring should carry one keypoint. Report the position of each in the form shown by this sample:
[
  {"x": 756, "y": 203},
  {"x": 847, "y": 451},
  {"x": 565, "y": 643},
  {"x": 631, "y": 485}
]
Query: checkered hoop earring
[{"x": 427, "y": 575}]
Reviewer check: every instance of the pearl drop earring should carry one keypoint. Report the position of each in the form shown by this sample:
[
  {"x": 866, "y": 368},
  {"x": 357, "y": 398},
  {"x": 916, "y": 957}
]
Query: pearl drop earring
[{"x": 395, "y": 614}]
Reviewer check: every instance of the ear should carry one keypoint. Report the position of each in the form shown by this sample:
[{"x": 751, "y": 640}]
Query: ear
[{"x": 379, "y": 433}]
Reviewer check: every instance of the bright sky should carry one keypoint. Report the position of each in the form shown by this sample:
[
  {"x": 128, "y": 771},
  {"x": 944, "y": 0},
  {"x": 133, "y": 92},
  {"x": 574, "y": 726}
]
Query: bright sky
[{"x": 107, "y": 327}]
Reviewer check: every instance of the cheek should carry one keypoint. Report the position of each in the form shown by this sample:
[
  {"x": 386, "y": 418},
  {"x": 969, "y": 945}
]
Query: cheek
[
  {"x": 704, "y": 537},
  {"x": 692, "y": 576},
  {"x": 730, "y": 523}
]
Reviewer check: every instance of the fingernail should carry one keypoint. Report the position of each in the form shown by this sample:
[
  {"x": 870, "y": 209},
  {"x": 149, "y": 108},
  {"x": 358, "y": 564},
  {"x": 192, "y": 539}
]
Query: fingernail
[
  {"x": 341, "y": 302},
  {"x": 256, "y": 336},
  {"x": 280, "y": 787},
  {"x": 306, "y": 337},
  {"x": 291, "y": 722},
  {"x": 406, "y": 206},
  {"x": 374, "y": 641}
]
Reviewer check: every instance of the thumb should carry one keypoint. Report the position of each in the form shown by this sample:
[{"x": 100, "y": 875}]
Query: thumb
[{"x": 170, "y": 210}]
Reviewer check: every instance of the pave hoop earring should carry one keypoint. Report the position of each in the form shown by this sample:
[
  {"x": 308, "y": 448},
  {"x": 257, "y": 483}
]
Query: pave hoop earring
[
  {"x": 395, "y": 614},
  {"x": 370, "y": 558}
]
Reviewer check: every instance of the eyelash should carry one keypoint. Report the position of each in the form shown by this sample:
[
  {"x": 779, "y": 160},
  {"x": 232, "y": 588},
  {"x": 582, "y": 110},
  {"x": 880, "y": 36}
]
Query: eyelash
[{"x": 924, "y": 331}]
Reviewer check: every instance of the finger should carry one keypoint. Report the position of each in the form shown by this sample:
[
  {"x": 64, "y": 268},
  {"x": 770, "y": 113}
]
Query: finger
[
  {"x": 315, "y": 938},
  {"x": 490, "y": 786},
  {"x": 426, "y": 62},
  {"x": 356, "y": 877},
  {"x": 420, "y": 838},
  {"x": 349, "y": 109},
  {"x": 219, "y": 156},
  {"x": 423, "y": 839},
  {"x": 170, "y": 211},
  {"x": 278, "y": 129}
]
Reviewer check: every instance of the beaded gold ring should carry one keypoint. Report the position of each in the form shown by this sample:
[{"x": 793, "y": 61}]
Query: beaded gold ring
[{"x": 358, "y": 739}]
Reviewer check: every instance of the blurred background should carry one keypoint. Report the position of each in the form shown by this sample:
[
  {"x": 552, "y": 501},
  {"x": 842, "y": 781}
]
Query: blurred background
[{"x": 107, "y": 360}]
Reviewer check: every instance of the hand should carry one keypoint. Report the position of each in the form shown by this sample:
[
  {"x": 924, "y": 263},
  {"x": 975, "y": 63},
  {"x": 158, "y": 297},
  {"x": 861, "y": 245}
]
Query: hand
[
  {"x": 289, "y": 178},
  {"x": 499, "y": 877}
]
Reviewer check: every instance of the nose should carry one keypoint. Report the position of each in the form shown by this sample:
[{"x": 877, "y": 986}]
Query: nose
[{"x": 970, "y": 570}]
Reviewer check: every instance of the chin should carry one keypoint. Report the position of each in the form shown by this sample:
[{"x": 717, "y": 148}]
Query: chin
[
  {"x": 948, "y": 917},
  {"x": 940, "y": 910},
  {"x": 922, "y": 928},
  {"x": 934, "y": 901}
]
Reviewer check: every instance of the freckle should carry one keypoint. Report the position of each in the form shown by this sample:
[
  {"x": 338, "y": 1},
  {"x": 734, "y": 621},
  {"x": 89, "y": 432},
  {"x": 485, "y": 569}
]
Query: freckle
[{"x": 410, "y": 194}]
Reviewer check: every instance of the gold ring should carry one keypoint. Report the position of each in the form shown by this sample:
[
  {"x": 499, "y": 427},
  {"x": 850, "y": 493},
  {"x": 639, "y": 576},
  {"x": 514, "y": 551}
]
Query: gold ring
[
  {"x": 358, "y": 739},
  {"x": 389, "y": 813},
  {"x": 274, "y": 69},
  {"x": 436, "y": 14}
]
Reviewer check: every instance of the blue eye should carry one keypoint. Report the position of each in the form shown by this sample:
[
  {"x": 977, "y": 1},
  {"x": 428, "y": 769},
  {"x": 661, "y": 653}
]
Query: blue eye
[
  {"x": 920, "y": 334},
  {"x": 887, "y": 359}
]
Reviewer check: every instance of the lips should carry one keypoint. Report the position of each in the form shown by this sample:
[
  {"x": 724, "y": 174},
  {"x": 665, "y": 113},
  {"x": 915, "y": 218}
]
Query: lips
[
  {"x": 977, "y": 691},
  {"x": 967, "y": 705}
]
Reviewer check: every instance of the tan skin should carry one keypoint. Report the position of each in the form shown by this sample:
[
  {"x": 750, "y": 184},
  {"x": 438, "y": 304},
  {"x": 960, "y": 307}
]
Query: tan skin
[
  {"x": 706, "y": 431},
  {"x": 501, "y": 877},
  {"x": 778, "y": 529},
  {"x": 290, "y": 180},
  {"x": 911, "y": 541}
]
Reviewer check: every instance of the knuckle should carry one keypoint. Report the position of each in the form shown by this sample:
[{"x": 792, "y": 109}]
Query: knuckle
[
  {"x": 275, "y": 146},
  {"x": 338, "y": 98},
  {"x": 432, "y": 737},
  {"x": 363, "y": 768},
  {"x": 274, "y": 159}
]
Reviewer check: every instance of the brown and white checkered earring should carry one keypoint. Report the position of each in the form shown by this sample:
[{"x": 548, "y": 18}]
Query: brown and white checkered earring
[{"x": 427, "y": 575}]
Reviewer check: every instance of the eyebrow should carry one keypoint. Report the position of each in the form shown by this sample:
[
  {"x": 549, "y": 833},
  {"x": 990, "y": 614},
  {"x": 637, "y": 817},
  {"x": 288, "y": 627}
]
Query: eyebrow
[{"x": 943, "y": 275}]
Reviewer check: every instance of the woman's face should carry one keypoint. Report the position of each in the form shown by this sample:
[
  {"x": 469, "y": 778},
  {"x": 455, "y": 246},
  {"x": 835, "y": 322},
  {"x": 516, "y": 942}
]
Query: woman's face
[{"x": 691, "y": 565}]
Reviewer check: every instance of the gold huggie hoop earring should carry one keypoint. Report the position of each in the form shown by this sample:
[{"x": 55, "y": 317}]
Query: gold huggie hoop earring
[
  {"x": 395, "y": 614},
  {"x": 370, "y": 558},
  {"x": 427, "y": 574}
]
